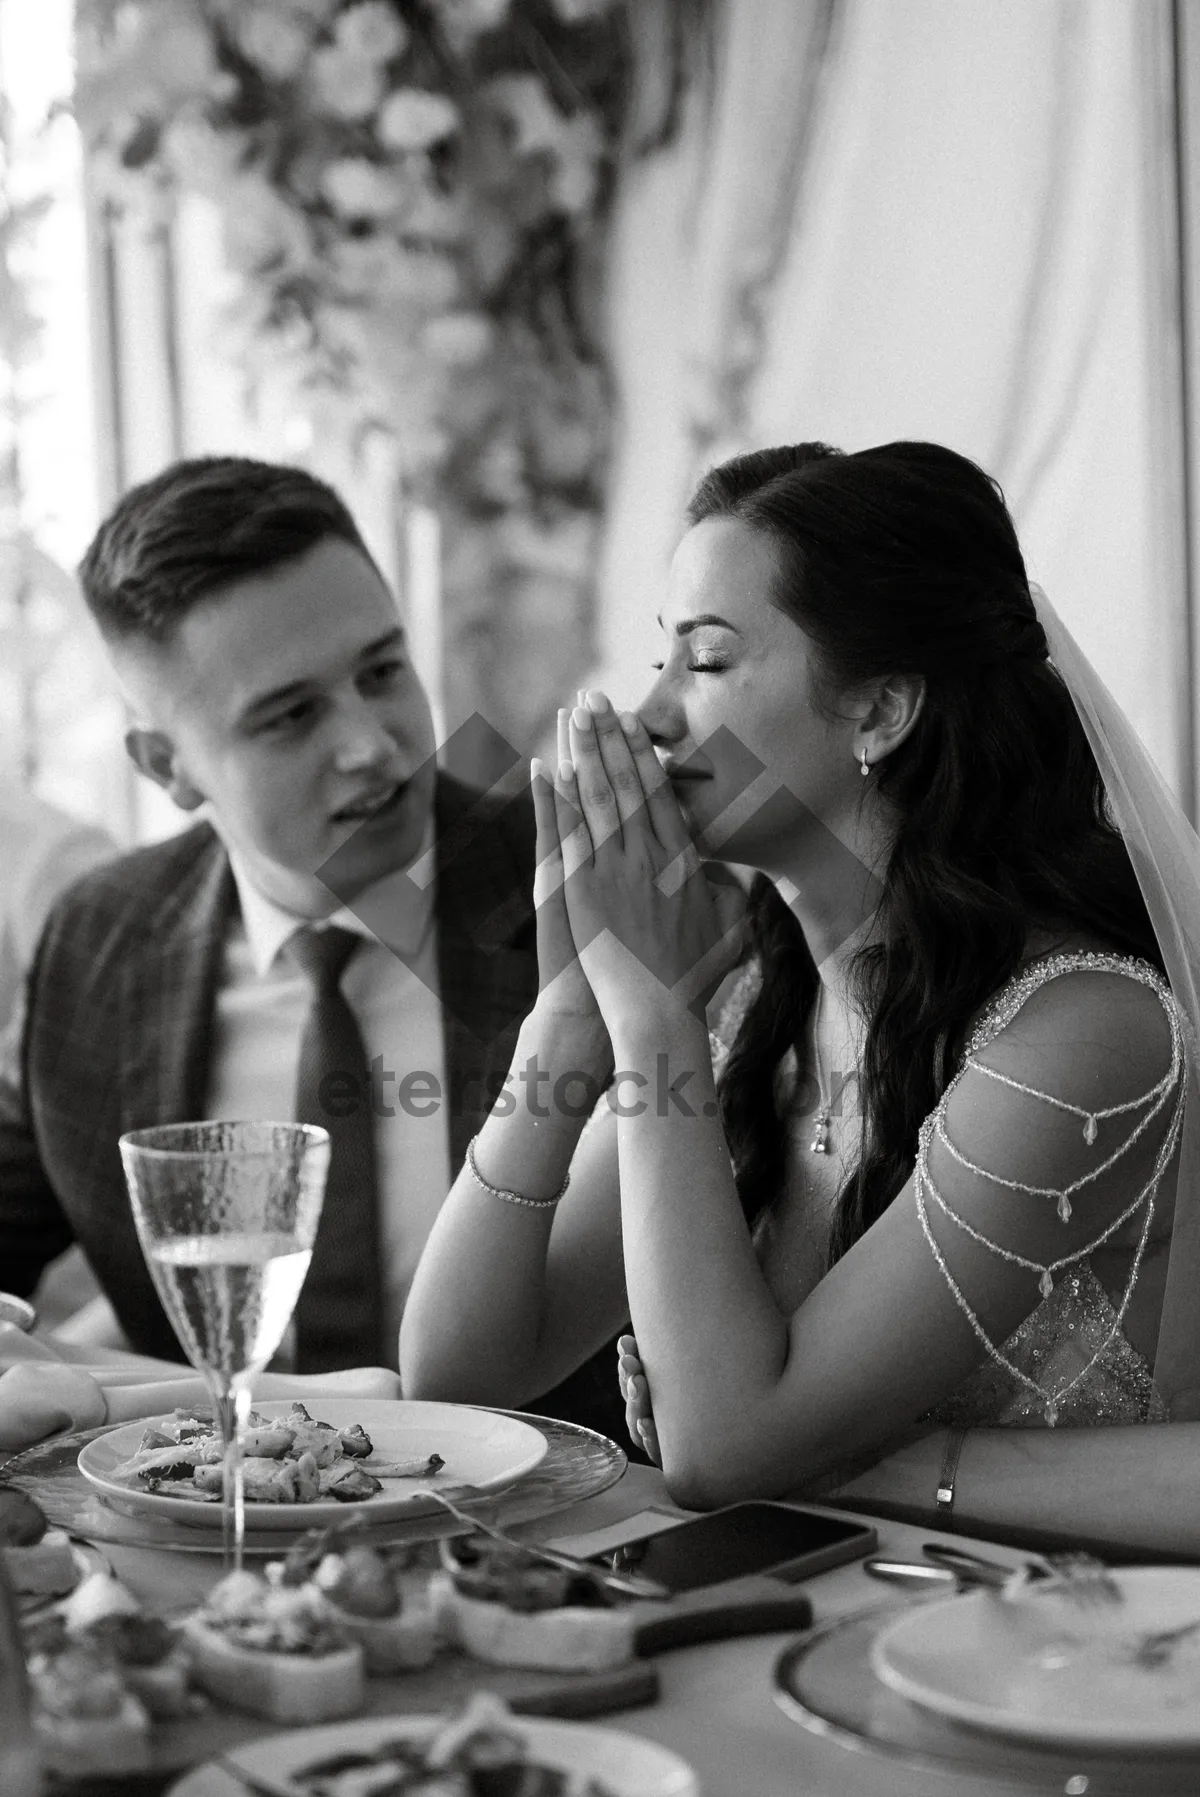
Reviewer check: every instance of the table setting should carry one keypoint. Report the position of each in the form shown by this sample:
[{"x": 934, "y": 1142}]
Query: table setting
[{"x": 325, "y": 1594}]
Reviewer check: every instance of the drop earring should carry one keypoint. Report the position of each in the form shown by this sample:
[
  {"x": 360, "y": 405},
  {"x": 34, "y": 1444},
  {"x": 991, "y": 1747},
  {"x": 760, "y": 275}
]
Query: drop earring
[{"x": 865, "y": 769}]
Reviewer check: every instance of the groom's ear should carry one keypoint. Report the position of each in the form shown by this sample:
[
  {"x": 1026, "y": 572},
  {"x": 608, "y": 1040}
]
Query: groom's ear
[{"x": 153, "y": 754}]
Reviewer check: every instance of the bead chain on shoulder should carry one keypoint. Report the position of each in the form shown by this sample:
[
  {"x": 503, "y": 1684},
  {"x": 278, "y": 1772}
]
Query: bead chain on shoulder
[
  {"x": 1047, "y": 1267},
  {"x": 1157, "y": 1097},
  {"x": 1000, "y": 1013}
]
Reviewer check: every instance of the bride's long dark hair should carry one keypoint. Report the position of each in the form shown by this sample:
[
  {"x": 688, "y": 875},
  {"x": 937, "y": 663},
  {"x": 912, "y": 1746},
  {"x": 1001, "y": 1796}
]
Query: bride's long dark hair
[{"x": 903, "y": 559}]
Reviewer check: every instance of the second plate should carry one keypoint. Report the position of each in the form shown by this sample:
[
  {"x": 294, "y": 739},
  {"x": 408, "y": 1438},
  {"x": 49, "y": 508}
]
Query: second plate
[{"x": 1051, "y": 1670}]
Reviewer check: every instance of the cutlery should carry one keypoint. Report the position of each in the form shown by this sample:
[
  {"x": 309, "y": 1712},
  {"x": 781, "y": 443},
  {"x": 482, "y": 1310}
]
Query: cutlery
[
  {"x": 1081, "y": 1578},
  {"x": 914, "y": 1573},
  {"x": 628, "y": 1584},
  {"x": 1077, "y": 1577},
  {"x": 1155, "y": 1649}
]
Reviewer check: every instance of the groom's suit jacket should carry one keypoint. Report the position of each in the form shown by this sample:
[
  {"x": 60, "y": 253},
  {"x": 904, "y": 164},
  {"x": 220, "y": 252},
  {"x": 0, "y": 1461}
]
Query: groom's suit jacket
[{"x": 117, "y": 1030}]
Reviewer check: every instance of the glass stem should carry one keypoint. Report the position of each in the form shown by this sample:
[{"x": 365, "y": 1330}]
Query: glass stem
[{"x": 231, "y": 1400}]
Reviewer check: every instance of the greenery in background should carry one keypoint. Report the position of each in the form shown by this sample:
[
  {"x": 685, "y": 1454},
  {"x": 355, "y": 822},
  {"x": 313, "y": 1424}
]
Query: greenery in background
[{"x": 415, "y": 196}]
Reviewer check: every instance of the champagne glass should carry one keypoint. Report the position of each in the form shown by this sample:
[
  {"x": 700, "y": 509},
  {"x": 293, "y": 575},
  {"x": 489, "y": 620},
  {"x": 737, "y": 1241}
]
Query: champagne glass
[{"x": 227, "y": 1214}]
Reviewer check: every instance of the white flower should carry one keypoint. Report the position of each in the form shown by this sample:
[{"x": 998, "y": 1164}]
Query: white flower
[
  {"x": 276, "y": 41},
  {"x": 360, "y": 189},
  {"x": 371, "y": 31},
  {"x": 574, "y": 144},
  {"x": 205, "y": 159},
  {"x": 413, "y": 119},
  {"x": 345, "y": 86},
  {"x": 457, "y": 339},
  {"x": 462, "y": 21},
  {"x": 261, "y": 230}
]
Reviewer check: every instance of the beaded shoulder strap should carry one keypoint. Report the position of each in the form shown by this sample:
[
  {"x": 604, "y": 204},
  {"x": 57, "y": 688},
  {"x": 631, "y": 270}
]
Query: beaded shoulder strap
[{"x": 999, "y": 1014}]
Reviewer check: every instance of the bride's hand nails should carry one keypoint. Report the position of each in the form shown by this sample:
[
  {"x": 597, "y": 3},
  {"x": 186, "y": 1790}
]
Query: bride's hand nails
[
  {"x": 581, "y": 718},
  {"x": 597, "y": 704}
]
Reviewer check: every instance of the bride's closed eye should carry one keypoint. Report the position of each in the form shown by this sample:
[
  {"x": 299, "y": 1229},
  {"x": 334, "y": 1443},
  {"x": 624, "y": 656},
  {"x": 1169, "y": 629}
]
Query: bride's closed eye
[{"x": 710, "y": 665}]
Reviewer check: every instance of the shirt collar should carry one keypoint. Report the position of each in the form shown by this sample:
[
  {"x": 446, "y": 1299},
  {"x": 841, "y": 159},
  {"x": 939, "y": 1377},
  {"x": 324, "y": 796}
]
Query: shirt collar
[{"x": 394, "y": 911}]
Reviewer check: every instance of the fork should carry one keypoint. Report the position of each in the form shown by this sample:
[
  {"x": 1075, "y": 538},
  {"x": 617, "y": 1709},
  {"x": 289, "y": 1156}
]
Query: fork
[
  {"x": 1155, "y": 1649},
  {"x": 1081, "y": 1578},
  {"x": 628, "y": 1584}
]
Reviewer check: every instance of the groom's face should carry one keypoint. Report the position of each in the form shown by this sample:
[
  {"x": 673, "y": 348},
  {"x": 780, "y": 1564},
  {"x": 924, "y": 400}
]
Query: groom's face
[{"x": 288, "y": 702}]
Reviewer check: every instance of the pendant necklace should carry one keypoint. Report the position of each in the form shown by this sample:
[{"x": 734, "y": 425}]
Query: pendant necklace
[{"x": 823, "y": 1122}]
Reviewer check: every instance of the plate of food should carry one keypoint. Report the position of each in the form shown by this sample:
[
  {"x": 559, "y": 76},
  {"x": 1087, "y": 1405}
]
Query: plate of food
[
  {"x": 306, "y": 1468},
  {"x": 483, "y": 1748},
  {"x": 1034, "y": 1662}
]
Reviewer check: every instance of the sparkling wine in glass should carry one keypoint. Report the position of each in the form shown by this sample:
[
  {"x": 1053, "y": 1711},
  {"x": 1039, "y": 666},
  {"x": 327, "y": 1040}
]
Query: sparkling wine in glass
[{"x": 227, "y": 1214}]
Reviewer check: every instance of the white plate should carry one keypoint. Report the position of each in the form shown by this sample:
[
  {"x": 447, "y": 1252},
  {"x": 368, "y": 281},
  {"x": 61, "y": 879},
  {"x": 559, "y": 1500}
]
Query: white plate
[
  {"x": 1044, "y": 1668},
  {"x": 625, "y": 1764},
  {"x": 481, "y": 1449}
]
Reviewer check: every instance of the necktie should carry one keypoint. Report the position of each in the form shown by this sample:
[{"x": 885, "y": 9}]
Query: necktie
[{"x": 339, "y": 1315}]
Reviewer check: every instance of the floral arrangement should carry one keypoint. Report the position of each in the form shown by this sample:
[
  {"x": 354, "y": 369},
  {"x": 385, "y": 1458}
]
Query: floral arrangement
[{"x": 414, "y": 196}]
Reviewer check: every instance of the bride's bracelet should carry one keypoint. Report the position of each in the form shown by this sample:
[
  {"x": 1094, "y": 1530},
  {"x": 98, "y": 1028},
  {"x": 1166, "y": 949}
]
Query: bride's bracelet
[
  {"x": 510, "y": 1197},
  {"x": 943, "y": 1506}
]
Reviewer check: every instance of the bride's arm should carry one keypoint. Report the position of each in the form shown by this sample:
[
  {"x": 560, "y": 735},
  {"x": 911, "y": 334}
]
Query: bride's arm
[
  {"x": 1085, "y": 1486},
  {"x": 507, "y": 1299},
  {"x": 1133, "y": 1486}
]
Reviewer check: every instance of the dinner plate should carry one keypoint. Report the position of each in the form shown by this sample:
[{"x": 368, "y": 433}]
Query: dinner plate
[
  {"x": 483, "y": 1451},
  {"x": 1045, "y": 1667},
  {"x": 626, "y": 1765}
]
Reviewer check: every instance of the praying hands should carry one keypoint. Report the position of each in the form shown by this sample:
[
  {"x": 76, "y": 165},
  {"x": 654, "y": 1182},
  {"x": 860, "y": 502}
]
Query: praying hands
[{"x": 635, "y": 896}]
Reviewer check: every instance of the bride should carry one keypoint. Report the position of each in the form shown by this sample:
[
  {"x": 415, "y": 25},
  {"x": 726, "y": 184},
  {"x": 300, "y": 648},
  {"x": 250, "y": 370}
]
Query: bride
[{"x": 921, "y": 1179}]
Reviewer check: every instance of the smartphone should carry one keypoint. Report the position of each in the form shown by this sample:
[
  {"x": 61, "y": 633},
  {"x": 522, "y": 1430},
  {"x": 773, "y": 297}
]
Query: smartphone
[{"x": 786, "y": 1540}]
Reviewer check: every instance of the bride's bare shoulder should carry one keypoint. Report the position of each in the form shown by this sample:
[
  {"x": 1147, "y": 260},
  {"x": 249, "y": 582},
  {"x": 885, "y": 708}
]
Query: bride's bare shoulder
[{"x": 1105, "y": 1032}]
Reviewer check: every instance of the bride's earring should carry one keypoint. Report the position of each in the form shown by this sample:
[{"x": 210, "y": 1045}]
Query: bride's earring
[{"x": 865, "y": 769}]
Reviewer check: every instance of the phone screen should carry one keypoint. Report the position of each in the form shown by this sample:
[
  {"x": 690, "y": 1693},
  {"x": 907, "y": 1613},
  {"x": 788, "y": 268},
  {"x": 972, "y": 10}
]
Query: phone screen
[{"x": 744, "y": 1539}]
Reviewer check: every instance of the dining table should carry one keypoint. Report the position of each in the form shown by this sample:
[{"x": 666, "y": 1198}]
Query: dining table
[{"x": 718, "y": 1704}]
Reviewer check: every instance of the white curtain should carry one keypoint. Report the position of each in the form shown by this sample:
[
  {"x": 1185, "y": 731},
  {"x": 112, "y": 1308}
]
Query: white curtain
[{"x": 949, "y": 220}]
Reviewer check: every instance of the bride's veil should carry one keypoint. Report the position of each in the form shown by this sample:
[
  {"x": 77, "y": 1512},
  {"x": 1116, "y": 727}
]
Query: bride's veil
[{"x": 1165, "y": 851}]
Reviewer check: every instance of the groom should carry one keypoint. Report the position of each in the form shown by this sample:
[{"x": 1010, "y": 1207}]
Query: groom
[{"x": 345, "y": 937}]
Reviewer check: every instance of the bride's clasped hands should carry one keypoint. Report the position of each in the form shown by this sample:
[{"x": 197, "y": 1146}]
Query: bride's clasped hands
[{"x": 636, "y": 897}]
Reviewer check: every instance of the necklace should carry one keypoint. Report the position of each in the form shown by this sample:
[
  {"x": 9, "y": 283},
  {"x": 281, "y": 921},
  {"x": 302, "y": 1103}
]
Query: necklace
[{"x": 823, "y": 1122}]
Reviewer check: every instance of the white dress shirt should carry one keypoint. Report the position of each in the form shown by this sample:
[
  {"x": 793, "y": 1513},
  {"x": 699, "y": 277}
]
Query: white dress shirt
[{"x": 391, "y": 986}]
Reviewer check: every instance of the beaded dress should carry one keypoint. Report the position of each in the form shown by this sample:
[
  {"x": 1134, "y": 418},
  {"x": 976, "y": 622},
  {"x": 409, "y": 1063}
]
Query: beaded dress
[{"x": 1070, "y": 1362}]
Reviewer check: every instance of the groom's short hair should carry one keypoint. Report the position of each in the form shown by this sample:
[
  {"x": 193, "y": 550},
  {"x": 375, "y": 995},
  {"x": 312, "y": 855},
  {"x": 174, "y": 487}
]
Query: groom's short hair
[{"x": 197, "y": 527}]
